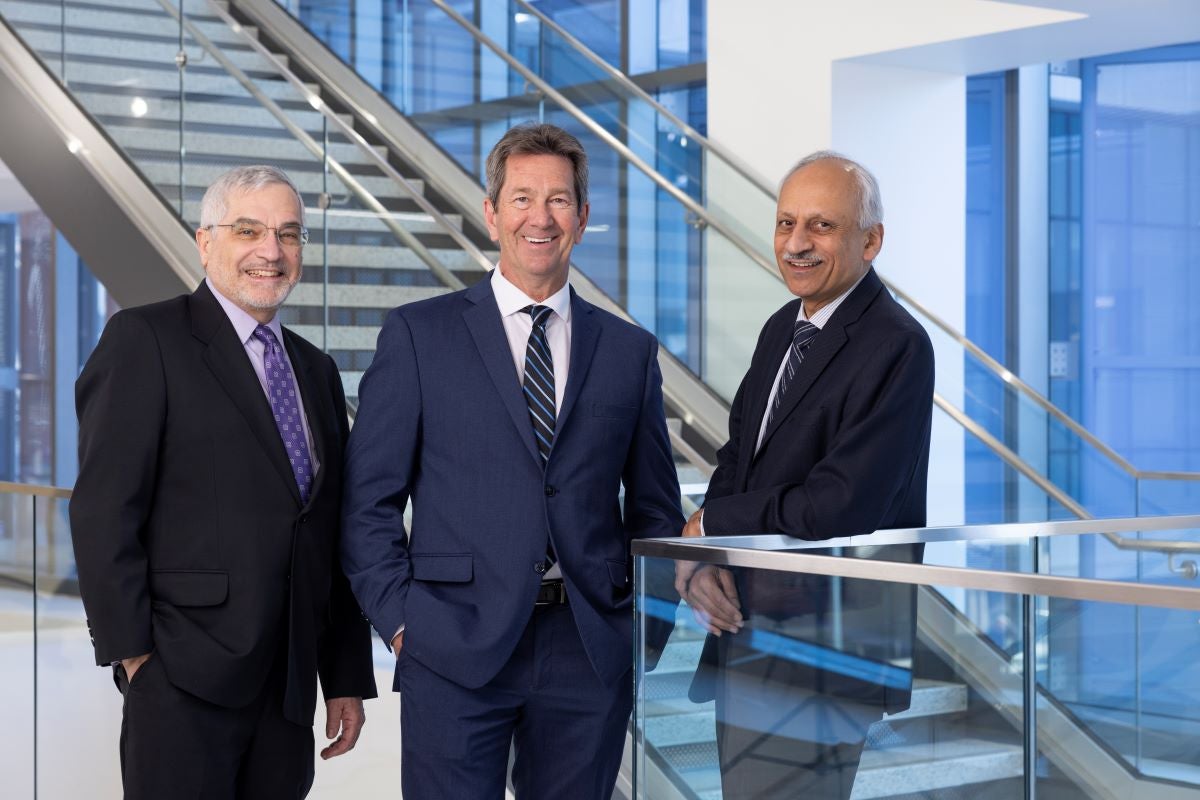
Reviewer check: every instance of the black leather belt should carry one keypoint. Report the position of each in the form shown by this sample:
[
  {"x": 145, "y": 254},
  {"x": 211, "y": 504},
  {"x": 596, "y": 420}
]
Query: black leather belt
[{"x": 552, "y": 593}]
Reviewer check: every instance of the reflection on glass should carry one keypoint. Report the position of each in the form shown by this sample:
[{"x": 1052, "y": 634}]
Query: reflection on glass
[{"x": 1112, "y": 692}]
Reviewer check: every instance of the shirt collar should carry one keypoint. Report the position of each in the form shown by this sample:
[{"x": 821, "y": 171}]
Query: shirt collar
[
  {"x": 244, "y": 324},
  {"x": 822, "y": 316},
  {"x": 511, "y": 300}
]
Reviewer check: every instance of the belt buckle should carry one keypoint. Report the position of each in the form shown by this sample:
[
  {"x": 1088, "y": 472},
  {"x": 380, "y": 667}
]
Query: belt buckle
[{"x": 558, "y": 594}]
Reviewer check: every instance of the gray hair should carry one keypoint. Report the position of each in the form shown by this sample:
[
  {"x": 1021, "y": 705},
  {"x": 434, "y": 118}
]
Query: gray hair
[
  {"x": 537, "y": 139},
  {"x": 870, "y": 206},
  {"x": 242, "y": 179}
]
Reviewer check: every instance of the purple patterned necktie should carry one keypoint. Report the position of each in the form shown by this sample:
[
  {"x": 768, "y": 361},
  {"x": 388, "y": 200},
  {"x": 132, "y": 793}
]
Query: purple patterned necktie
[{"x": 285, "y": 406}]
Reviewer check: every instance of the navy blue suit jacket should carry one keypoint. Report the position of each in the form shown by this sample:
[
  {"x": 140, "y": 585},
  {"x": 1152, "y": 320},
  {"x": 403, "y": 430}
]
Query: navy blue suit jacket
[{"x": 442, "y": 422}]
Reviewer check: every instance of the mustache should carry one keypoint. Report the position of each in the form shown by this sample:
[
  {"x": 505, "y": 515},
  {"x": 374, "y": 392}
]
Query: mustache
[{"x": 804, "y": 255}]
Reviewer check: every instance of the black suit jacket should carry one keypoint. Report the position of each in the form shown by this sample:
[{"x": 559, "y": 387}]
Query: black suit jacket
[
  {"x": 846, "y": 454},
  {"x": 189, "y": 533}
]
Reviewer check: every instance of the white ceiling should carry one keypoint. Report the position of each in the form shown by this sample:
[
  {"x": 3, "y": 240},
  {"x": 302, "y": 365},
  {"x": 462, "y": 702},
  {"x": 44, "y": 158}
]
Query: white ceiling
[{"x": 1021, "y": 32}]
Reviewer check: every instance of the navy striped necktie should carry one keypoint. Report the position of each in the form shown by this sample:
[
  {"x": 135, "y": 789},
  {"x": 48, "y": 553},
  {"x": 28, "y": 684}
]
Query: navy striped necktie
[
  {"x": 539, "y": 391},
  {"x": 802, "y": 337},
  {"x": 539, "y": 380}
]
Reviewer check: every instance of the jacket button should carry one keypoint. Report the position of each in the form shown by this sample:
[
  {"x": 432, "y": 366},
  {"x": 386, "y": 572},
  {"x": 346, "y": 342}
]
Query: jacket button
[
  {"x": 539, "y": 567},
  {"x": 551, "y": 491},
  {"x": 304, "y": 517}
]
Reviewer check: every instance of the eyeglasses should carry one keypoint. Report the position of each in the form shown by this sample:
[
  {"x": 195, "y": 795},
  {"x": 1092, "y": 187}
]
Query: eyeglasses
[{"x": 250, "y": 231}]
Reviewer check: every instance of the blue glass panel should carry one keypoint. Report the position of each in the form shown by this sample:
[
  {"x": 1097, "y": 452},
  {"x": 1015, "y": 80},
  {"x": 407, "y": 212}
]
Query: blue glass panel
[{"x": 987, "y": 492}]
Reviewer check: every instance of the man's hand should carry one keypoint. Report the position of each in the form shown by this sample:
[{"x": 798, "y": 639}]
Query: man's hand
[
  {"x": 693, "y": 529},
  {"x": 711, "y": 593},
  {"x": 132, "y": 665},
  {"x": 397, "y": 643},
  {"x": 344, "y": 714}
]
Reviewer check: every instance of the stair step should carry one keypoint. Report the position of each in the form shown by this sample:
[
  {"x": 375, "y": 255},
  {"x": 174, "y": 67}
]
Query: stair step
[
  {"x": 896, "y": 771},
  {"x": 231, "y": 146},
  {"x": 194, "y": 10},
  {"x": 930, "y": 698},
  {"x": 232, "y": 114},
  {"x": 912, "y": 769},
  {"x": 166, "y": 80},
  {"x": 309, "y": 182},
  {"x": 394, "y": 258},
  {"x": 148, "y": 19},
  {"x": 142, "y": 54},
  {"x": 343, "y": 295},
  {"x": 355, "y": 221}
]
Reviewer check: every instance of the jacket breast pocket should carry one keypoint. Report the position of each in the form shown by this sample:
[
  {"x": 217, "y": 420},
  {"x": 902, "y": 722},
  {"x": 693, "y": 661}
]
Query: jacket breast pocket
[
  {"x": 614, "y": 412},
  {"x": 190, "y": 587},
  {"x": 443, "y": 567}
]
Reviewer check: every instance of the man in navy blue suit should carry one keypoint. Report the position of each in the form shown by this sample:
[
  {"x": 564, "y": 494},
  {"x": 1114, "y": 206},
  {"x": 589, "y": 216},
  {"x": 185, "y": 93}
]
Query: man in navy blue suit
[{"x": 511, "y": 413}]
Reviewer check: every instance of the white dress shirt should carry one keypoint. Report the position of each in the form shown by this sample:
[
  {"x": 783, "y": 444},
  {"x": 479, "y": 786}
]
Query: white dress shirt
[
  {"x": 818, "y": 319},
  {"x": 518, "y": 325}
]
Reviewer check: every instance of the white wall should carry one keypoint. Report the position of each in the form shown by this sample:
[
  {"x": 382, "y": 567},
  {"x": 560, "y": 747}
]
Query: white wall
[{"x": 909, "y": 128}]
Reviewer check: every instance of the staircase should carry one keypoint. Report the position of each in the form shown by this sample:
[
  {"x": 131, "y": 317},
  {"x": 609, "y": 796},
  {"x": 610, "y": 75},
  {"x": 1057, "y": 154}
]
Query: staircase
[
  {"x": 183, "y": 128},
  {"x": 927, "y": 751}
]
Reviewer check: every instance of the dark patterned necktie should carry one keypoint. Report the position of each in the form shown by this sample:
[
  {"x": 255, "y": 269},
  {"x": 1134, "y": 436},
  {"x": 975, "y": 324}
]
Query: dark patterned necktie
[
  {"x": 539, "y": 390},
  {"x": 285, "y": 407},
  {"x": 802, "y": 337},
  {"x": 539, "y": 380}
]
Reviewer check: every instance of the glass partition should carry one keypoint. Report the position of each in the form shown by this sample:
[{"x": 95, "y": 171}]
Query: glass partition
[
  {"x": 995, "y": 661},
  {"x": 17, "y": 610}
]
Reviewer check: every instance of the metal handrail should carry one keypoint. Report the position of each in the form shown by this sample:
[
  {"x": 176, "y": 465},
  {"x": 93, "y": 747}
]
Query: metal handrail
[
  {"x": 1040, "y": 400},
  {"x": 56, "y": 492},
  {"x": 598, "y": 130},
  {"x": 718, "y": 550},
  {"x": 302, "y": 136},
  {"x": 1188, "y": 569},
  {"x": 626, "y": 83}
]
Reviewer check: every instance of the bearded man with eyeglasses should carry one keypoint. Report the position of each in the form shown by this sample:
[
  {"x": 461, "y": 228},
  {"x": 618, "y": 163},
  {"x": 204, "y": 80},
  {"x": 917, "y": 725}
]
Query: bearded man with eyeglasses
[{"x": 205, "y": 519}]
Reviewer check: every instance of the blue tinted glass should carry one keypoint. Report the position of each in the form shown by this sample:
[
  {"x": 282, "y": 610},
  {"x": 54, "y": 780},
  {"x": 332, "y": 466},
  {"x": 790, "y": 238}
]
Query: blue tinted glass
[{"x": 988, "y": 489}]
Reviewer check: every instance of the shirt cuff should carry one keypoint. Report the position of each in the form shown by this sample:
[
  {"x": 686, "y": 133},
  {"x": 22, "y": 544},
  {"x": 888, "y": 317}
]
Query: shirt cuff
[{"x": 399, "y": 631}]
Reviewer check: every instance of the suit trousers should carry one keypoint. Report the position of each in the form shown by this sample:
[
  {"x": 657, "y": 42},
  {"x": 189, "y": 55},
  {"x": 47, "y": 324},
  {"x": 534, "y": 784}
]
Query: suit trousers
[
  {"x": 785, "y": 729},
  {"x": 566, "y": 726},
  {"x": 173, "y": 744}
]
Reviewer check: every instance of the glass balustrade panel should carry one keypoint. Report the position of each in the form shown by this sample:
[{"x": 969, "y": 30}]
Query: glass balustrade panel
[
  {"x": 885, "y": 686},
  {"x": 1110, "y": 694},
  {"x": 18, "y": 514}
]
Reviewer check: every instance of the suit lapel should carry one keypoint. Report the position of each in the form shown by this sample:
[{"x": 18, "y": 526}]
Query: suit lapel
[
  {"x": 226, "y": 357},
  {"x": 482, "y": 318},
  {"x": 585, "y": 333},
  {"x": 317, "y": 409},
  {"x": 821, "y": 352}
]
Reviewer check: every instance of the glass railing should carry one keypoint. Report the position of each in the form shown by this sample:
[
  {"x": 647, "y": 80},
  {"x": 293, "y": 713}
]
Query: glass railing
[
  {"x": 187, "y": 93},
  {"x": 1022, "y": 660},
  {"x": 1097, "y": 479},
  {"x": 53, "y": 695},
  {"x": 63, "y": 713}
]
